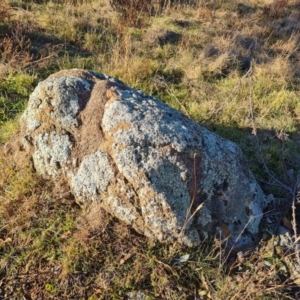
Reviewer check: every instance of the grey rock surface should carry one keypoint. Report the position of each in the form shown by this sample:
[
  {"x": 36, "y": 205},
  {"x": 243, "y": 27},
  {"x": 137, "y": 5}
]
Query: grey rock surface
[{"x": 140, "y": 160}]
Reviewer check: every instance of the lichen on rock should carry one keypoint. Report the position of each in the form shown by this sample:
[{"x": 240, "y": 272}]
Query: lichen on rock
[
  {"x": 52, "y": 153},
  {"x": 141, "y": 160},
  {"x": 92, "y": 177}
]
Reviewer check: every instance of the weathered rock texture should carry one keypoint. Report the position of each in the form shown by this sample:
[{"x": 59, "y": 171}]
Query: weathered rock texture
[{"x": 141, "y": 160}]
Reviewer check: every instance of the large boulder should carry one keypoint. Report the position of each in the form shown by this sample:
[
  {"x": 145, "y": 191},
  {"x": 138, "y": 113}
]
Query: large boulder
[{"x": 140, "y": 160}]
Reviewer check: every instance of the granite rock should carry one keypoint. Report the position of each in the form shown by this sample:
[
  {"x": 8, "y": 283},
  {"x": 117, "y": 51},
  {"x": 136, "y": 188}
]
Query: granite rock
[{"x": 141, "y": 161}]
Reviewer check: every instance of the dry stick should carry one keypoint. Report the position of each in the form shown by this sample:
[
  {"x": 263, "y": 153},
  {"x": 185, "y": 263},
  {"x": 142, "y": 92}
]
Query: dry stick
[
  {"x": 254, "y": 132},
  {"x": 187, "y": 219},
  {"x": 193, "y": 199},
  {"x": 268, "y": 183},
  {"x": 225, "y": 241},
  {"x": 161, "y": 81},
  {"x": 266, "y": 169},
  {"x": 40, "y": 60},
  {"x": 296, "y": 187},
  {"x": 246, "y": 225},
  {"x": 225, "y": 102}
]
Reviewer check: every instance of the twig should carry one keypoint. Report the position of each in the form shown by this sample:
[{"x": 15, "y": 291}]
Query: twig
[
  {"x": 187, "y": 219},
  {"x": 266, "y": 169},
  {"x": 254, "y": 132},
  {"x": 225, "y": 102},
  {"x": 240, "y": 234},
  {"x": 268, "y": 183},
  {"x": 296, "y": 188},
  {"x": 40, "y": 60},
  {"x": 161, "y": 81}
]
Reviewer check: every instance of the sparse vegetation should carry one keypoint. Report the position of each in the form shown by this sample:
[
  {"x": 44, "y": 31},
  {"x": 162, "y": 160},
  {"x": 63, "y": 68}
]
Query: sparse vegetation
[{"x": 232, "y": 66}]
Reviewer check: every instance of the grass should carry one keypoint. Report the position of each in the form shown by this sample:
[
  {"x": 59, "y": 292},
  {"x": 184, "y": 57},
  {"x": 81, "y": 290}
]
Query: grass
[{"x": 232, "y": 67}]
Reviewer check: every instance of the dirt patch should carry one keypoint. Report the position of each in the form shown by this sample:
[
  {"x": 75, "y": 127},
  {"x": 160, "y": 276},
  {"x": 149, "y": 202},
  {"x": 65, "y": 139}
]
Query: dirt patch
[{"x": 90, "y": 134}]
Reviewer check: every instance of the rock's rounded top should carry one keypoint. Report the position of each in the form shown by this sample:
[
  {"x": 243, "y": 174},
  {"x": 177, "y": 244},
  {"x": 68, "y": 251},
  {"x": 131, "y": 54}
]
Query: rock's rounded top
[{"x": 141, "y": 160}]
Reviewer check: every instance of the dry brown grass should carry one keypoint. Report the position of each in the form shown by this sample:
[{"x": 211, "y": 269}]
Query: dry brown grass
[
  {"x": 5, "y": 12},
  {"x": 14, "y": 45},
  {"x": 132, "y": 11},
  {"x": 276, "y": 9},
  {"x": 52, "y": 249}
]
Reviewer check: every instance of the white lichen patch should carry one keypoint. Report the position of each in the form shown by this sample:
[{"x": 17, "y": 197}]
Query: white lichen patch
[
  {"x": 92, "y": 178},
  {"x": 65, "y": 104},
  {"x": 52, "y": 153},
  {"x": 57, "y": 97}
]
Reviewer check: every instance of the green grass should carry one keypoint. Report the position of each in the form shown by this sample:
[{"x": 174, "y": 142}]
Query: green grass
[{"x": 52, "y": 249}]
